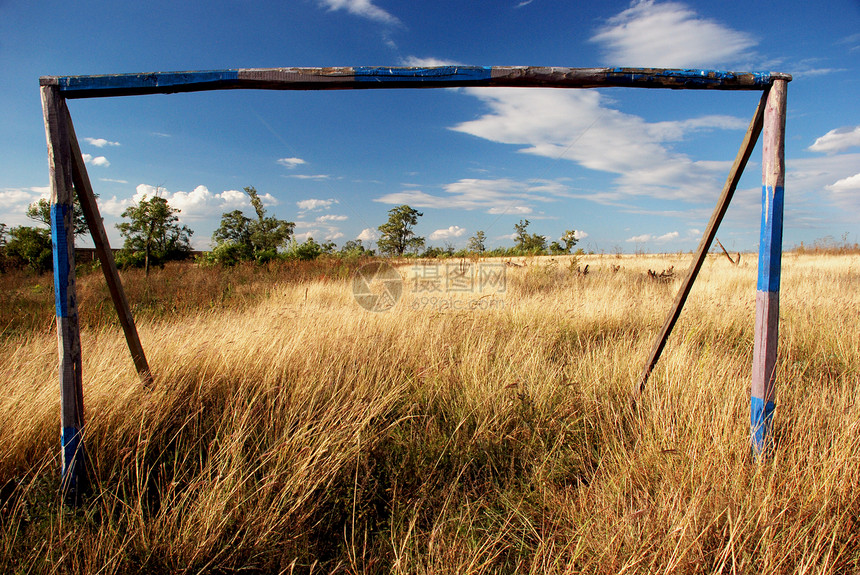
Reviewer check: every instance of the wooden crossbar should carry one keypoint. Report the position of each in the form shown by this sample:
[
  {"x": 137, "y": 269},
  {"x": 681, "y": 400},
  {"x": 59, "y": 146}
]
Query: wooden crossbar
[{"x": 375, "y": 77}]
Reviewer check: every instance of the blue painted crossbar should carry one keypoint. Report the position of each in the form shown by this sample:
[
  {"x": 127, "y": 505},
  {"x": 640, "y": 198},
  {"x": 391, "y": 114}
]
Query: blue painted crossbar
[{"x": 364, "y": 77}]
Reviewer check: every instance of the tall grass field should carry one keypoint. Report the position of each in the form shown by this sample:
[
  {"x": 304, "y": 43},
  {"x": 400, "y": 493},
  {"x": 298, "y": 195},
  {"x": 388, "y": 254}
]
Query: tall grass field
[{"x": 289, "y": 430}]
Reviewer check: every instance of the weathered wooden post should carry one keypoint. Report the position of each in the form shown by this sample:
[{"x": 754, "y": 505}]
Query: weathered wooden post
[
  {"x": 769, "y": 266},
  {"x": 74, "y": 477}
]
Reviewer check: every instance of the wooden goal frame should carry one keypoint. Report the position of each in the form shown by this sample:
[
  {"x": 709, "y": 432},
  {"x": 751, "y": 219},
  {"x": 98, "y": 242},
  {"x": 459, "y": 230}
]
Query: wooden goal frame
[{"x": 68, "y": 176}]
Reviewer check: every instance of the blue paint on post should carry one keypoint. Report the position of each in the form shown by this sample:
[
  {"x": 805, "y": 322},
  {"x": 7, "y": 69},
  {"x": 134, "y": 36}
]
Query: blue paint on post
[
  {"x": 121, "y": 82},
  {"x": 770, "y": 242},
  {"x": 73, "y": 455},
  {"x": 691, "y": 78},
  {"x": 434, "y": 74},
  {"x": 59, "y": 239},
  {"x": 761, "y": 418}
]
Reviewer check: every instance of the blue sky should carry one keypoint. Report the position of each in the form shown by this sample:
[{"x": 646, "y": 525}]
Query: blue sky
[{"x": 629, "y": 169}]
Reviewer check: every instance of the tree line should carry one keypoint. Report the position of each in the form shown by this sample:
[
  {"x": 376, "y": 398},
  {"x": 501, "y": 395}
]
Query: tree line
[{"x": 153, "y": 235}]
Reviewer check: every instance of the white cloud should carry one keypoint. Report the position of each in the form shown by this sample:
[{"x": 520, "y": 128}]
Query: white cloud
[
  {"x": 291, "y": 162},
  {"x": 11, "y": 198},
  {"x": 640, "y": 239},
  {"x": 524, "y": 3},
  {"x": 368, "y": 235},
  {"x": 97, "y": 161},
  {"x": 579, "y": 234},
  {"x": 821, "y": 180},
  {"x": 302, "y": 237},
  {"x": 837, "y": 140},
  {"x": 113, "y": 180},
  {"x": 113, "y": 206},
  {"x": 199, "y": 203},
  {"x": 501, "y": 196},
  {"x": 448, "y": 233},
  {"x": 645, "y": 238},
  {"x": 334, "y": 235},
  {"x": 851, "y": 183},
  {"x": 309, "y": 176},
  {"x": 576, "y": 125},
  {"x": 14, "y": 202},
  {"x": 669, "y": 35},
  {"x": 363, "y": 8},
  {"x": 510, "y": 210},
  {"x": 100, "y": 142},
  {"x": 312, "y": 204},
  {"x": 331, "y": 218}
]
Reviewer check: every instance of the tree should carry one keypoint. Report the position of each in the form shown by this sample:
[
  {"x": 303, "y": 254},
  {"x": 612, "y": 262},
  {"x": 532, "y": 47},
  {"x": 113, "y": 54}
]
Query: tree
[
  {"x": 532, "y": 243},
  {"x": 234, "y": 236},
  {"x": 153, "y": 234},
  {"x": 31, "y": 246},
  {"x": 41, "y": 212},
  {"x": 569, "y": 238},
  {"x": 307, "y": 250},
  {"x": 245, "y": 238},
  {"x": 476, "y": 242},
  {"x": 353, "y": 248},
  {"x": 397, "y": 235}
]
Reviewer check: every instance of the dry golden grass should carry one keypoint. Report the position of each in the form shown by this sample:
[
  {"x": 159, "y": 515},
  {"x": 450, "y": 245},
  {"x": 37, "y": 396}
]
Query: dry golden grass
[{"x": 300, "y": 433}]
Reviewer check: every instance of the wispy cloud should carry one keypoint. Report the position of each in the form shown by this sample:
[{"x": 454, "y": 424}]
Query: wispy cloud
[
  {"x": 577, "y": 125},
  {"x": 363, "y": 8},
  {"x": 100, "y": 142},
  {"x": 837, "y": 140},
  {"x": 313, "y": 204},
  {"x": 309, "y": 176},
  {"x": 331, "y": 218},
  {"x": 113, "y": 180},
  {"x": 500, "y": 196},
  {"x": 291, "y": 163},
  {"x": 448, "y": 233},
  {"x": 646, "y": 238},
  {"x": 669, "y": 35},
  {"x": 524, "y": 3},
  {"x": 822, "y": 180}
]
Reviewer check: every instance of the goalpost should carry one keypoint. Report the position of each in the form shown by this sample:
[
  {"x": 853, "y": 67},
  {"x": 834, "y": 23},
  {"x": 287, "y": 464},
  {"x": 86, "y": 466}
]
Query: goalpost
[{"x": 68, "y": 176}]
